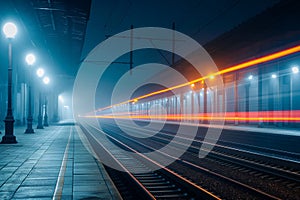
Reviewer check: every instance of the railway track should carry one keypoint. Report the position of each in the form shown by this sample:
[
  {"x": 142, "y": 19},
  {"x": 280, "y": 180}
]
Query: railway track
[
  {"x": 252, "y": 164},
  {"x": 208, "y": 172},
  {"x": 269, "y": 162},
  {"x": 160, "y": 184}
]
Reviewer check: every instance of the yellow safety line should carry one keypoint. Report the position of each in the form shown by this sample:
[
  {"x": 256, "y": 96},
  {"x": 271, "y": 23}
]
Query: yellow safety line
[{"x": 61, "y": 176}]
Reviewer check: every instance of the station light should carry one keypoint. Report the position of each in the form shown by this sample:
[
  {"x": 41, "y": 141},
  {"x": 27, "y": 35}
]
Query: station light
[
  {"x": 46, "y": 80},
  {"x": 30, "y": 59},
  {"x": 274, "y": 76},
  {"x": 61, "y": 99},
  {"x": 212, "y": 77},
  {"x": 10, "y": 30},
  {"x": 40, "y": 72},
  {"x": 295, "y": 70},
  {"x": 135, "y": 100},
  {"x": 250, "y": 77},
  {"x": 192, "y": 85}
]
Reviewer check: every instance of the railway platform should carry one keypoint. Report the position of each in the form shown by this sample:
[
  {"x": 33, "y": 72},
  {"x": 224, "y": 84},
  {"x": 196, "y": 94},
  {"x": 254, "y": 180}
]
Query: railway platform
[{"x": 52, "y": 163}]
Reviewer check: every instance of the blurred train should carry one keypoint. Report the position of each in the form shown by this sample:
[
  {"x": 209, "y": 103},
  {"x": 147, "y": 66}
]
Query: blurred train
[{"x": 263, "y": 91}]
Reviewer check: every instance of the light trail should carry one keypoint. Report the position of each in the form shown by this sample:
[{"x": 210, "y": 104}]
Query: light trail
[
  {"x": 244, "y": 65},
  {"x": 265, "y": 116}
]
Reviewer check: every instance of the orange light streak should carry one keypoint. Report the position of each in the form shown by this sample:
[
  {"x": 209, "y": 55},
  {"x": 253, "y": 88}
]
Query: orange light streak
[
  {"x": 246, "y": 64},
  {"x": 253, "y": 119},
  {"x": 265, "y": 116}
]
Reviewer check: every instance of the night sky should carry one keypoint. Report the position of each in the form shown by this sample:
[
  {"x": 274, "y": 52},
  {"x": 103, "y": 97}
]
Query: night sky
[{"x": 201, "y": 20}]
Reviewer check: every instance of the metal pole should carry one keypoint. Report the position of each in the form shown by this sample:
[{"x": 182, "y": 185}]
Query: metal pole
[
  {"x": 46, "y": 114},
  {"x": 247, "y": 110},
  {"x": 40, "y": 118},
  {"x": 224, "y": 99},
  {"x": 236, "y": 100},
  {"x": 9, "y": 137},
  {"x": 199, "y": 107},
  {"x": 205, "y": 121},
  {"x": 192, "y": 107},
  {"x": 260, "y": 93},
  {"x": 29, "y": 118},
  {"x": 24, "y": 103},
  {"x": 181, "y": 111},
  {"x": 56, "y": 111}
]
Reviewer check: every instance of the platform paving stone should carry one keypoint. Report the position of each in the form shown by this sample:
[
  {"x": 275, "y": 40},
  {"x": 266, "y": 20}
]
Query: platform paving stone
[{"x": 30, "y": 169}]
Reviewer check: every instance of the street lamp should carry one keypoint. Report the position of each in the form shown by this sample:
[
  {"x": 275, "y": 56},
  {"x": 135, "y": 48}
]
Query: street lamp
[
  {"x": 9, "y": 30},
  {"x": 40, "y": 73},
  {"x": 30, "y": 60},
  {"x": 46, "y": 81},
  {"x": 295, "y": 70}
]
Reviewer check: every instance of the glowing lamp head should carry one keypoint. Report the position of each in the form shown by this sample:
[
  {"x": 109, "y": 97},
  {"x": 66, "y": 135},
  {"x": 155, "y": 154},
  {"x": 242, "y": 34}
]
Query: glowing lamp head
[
  {"x": 250, "y": 77},
  {"x": 10, "y": 30},
  {"x": 295, "y": 70},
  {"x": 46, "y": 80},
  {"x": 212, "y": 77},
  {"x": 61, "y": 99},
  {"x": 30, "y": 59},
  {"x": 40, "y": 72},
  {"x": 192, "y": 85},
  {"x": 274, "y": 76}
]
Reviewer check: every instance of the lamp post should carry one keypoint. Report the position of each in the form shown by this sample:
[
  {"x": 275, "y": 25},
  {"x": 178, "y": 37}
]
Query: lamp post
[
  {"x": 30, "y": 60},
  {"x": 10, "y": 30},
  {"x": 40, "y": 73},
  {"x": 61, "y": 101},
  {"x": 46, "y": 81}
]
